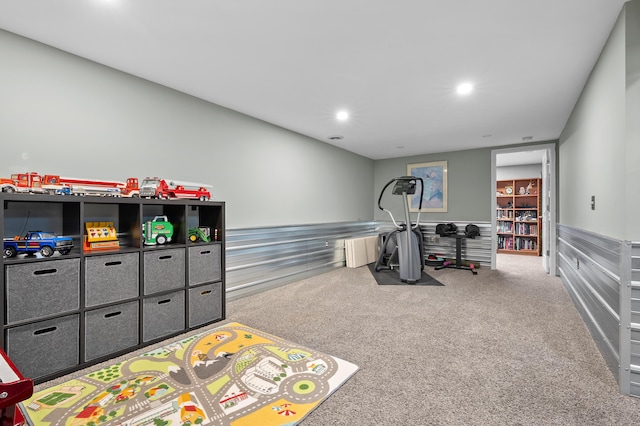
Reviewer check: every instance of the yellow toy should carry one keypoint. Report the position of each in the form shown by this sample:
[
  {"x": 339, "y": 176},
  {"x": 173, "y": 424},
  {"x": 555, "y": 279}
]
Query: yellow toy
[{"x": 100, "y": 236}]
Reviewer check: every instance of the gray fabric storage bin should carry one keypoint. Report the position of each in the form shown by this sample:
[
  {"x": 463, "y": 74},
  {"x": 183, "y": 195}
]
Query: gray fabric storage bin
[
  {"x": 163, "y": 315},
  {"x": 205, "y": 304},
  {"x": 38, "y": 289},
  {"x": 111, "y": 329},
  {"x": 45, "y": 347},
  {"x": 205, "y": 264},
  {"x": 111, "y": 278},
  {"x": 164, "y": 269}
]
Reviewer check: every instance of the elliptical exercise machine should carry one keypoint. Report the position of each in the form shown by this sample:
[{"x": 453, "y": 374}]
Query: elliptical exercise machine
[{"x": 403, "y": 247}]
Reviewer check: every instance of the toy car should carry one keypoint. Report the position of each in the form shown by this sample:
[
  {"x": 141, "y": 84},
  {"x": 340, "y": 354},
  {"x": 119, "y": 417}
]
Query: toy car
[{"x": 45, "y": 243}]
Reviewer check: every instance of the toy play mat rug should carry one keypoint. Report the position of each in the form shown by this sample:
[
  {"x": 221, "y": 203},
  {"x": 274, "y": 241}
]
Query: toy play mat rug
[{"x": 231, "y": 375}]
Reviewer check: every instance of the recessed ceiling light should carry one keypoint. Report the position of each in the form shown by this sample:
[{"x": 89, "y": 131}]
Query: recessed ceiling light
[
  {"x": 464, "y": 88},
  {"x": 335, "y": 138},
  {"x": 342, "y": 115}
]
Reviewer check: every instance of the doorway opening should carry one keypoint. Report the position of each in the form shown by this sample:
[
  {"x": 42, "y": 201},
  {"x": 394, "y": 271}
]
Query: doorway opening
[{"x": 540, "y": 159}]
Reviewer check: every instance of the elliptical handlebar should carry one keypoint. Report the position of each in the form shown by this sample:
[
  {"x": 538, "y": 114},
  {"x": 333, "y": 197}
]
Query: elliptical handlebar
[{"x": 407, "y": 189}]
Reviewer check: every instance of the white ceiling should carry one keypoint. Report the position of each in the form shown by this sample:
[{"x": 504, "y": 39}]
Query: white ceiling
[
  {"x": 520, "y": 158},
  {"x": 393, "y": 65}
]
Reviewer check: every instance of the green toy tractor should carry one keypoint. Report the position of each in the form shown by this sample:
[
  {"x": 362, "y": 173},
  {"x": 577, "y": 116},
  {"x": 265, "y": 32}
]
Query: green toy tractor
[{"x": 200, "y": 234}]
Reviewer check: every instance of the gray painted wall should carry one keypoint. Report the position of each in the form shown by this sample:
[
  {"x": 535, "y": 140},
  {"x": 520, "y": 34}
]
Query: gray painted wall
[
  {"x": 61, "y": 114},
  {"x": 593, "y": 148},
  {"x": 632, "y": 151},
  {"x": 469, "y": 186}
]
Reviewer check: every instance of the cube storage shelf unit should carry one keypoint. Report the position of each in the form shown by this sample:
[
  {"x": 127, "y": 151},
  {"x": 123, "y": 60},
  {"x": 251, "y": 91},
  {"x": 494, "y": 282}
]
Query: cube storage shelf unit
[
  {"x": 518, "y": 216},
  {"x": 68, "y": 311}
]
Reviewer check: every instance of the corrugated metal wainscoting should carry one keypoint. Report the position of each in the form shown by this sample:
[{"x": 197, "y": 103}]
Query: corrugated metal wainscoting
[
  {"x": 602, "y": 276},
  {"x": 261, "y": 258},
  {"x": 476, "y": 250},
  {"x": 634, "y": 325}
]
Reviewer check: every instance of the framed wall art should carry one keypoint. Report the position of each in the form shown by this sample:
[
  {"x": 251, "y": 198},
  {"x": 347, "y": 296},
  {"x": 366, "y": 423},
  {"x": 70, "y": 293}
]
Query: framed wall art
[{"x": 434, "y": 176}]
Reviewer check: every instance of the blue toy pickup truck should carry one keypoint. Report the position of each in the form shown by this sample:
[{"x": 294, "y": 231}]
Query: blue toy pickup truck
[{"x": 45, "y": 243}]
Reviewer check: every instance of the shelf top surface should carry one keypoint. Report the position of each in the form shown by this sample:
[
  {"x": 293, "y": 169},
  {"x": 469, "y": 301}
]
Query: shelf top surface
[{"x": 45, "y": 198}]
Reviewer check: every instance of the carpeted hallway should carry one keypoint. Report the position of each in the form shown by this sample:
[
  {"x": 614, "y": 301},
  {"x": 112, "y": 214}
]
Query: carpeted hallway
[{"x": 504, "y": 347}]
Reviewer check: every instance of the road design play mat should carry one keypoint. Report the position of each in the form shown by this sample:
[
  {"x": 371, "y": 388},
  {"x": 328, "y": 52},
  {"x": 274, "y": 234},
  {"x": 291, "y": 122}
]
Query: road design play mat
[{"x": 232, "y": 375}]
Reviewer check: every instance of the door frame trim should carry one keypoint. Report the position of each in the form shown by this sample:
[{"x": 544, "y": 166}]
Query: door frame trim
[{"x": 552, "y": 232}]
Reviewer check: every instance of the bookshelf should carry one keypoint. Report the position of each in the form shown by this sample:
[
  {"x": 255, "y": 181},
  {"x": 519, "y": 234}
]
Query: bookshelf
[{"x": 518, "y": 221}]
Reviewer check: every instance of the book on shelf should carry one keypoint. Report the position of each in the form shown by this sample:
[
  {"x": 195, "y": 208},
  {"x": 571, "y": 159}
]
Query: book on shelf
[
  {"x": 504, "y": 214},
  {"x": 505, "y": 242},
  {"x": 525, "y": 244},
  {"x": 505, "y": 227},
  {"x": 526, "y": 229}
]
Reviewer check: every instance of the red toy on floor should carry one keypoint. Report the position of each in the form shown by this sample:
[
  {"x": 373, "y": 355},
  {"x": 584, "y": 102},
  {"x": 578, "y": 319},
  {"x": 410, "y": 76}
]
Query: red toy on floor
[{"x": 13, "y": 389}]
